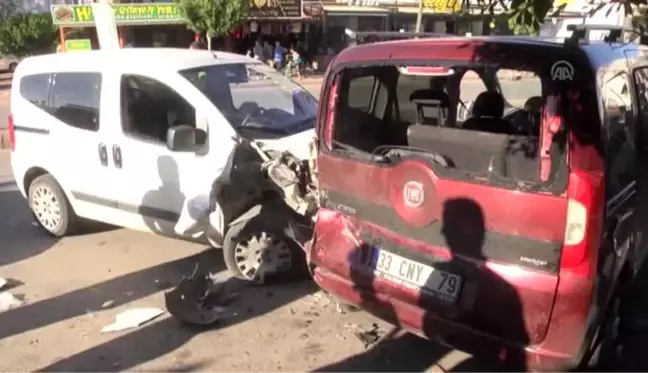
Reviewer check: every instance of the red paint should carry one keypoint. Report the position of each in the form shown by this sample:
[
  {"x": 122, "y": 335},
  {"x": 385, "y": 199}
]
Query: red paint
[{"x": 504, "y": 310}]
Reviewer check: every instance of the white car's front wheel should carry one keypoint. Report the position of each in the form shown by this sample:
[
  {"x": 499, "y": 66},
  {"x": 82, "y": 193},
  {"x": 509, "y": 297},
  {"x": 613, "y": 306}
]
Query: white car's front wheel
[{"x": 51, "y": 207}]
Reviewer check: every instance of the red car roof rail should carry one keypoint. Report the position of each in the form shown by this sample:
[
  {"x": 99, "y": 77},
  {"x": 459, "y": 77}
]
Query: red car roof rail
[{"x": 363, "y": 37}]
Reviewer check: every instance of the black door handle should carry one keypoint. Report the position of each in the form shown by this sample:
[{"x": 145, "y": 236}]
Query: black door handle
[
  {"x": 117, "y": 156},
  {"x": 103, "y": 154}
]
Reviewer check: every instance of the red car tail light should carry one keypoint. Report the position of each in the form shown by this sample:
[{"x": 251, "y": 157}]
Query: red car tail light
[
  {"x": 12, "y": 132},
  {"x": 584, "y": 224}
]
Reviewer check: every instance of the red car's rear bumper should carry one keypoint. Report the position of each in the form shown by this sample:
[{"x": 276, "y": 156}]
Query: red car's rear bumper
[{"x": 412, "y": 318}]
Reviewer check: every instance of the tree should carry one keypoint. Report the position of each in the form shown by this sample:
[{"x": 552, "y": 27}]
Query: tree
[
  {"x": 7, "y": 9},
  {"x": 528, "y": 15},
  {"x": 213, "y": 17},
  {"x": 24, "y": 34}
]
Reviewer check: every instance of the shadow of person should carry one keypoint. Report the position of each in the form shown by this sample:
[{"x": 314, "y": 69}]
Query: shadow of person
[
  {"x": 161, "y": 208},
  {"x": 487, "y": 303},
  {"x": 151, "y": 341},
  {"x": 397, "y": 350}
]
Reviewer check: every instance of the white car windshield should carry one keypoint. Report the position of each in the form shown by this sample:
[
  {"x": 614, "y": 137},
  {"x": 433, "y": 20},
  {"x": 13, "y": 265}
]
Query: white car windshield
[{"x": 255, "y": 96}]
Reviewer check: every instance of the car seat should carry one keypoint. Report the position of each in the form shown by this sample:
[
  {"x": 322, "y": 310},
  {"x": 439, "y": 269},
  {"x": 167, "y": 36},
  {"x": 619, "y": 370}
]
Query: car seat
[
  {"x": 431, "y": 98},
  {"x": 487, "y": 113}
]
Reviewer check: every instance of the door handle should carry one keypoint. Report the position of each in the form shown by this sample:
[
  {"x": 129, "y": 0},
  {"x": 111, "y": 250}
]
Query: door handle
[
  {"x": 117, "y": 156},
  {"x": 103, "y": 154}
]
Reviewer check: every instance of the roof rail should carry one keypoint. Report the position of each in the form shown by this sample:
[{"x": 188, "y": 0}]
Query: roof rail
[
  {"x": 582, "y": 33},
  {"x": 355, "y": 36}
]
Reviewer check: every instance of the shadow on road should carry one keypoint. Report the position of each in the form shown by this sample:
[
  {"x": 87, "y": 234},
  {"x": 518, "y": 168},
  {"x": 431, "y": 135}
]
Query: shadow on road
[
  {"x": 156, "y": 339},
  {"x": 21, "y": 237}
]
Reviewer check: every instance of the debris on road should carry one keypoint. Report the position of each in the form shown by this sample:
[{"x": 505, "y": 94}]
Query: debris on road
[
  {"x": 369, "y": 336},
  {"x": 8, "y": 301},
  {"x": 200, "y": 300},
  {"x": 132, "y": 318}
]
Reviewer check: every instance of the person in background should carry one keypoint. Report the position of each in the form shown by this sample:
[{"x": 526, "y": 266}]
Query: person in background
[
  {"x": 197, "y": 44},
  {"x": 297, "y": 62},
  {"x": 267, "y": 53},
  {"x": 279, "y": 55},
  {"x": 258, "y": 51}
]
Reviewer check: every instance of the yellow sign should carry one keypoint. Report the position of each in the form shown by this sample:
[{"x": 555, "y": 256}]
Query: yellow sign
[{"x": 443, "y": 6}]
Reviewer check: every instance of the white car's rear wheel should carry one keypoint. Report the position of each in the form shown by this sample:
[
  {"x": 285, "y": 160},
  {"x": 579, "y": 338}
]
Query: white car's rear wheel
[{"x": 51, "y": 207}]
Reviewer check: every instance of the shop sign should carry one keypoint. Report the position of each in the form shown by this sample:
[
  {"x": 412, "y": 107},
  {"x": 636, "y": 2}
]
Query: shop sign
[
  {"x": 275, "y": 9},
  {"x": 312, "y": 8},
  {"x": 78, "y": 45},
  {"x": 443, "y": 6},
  {"x": 124, "y": 13}
]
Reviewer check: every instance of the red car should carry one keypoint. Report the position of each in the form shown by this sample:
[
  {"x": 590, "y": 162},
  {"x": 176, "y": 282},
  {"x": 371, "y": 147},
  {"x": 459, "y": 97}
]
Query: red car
[{"x": 506, "y": 230}]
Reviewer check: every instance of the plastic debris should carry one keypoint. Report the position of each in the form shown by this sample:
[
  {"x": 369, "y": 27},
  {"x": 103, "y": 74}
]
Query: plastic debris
[
  {"x": 8, "y": 301},
  {"x": 132, "y": 318},
  {"x": 200, "y": 300}
]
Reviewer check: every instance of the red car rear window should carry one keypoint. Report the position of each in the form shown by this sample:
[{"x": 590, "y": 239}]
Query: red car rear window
[{"x": 503, "y": 118}]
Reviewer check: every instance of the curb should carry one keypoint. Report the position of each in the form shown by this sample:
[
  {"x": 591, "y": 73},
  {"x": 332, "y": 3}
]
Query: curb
[{"x": 4, "y": 139}]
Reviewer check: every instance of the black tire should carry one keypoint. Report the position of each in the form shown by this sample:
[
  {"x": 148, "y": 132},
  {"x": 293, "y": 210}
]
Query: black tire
[
  {"x": 12, "y": 67},
  {"x": 68, "y": 220},
  {"x": 271, "y": 225}
]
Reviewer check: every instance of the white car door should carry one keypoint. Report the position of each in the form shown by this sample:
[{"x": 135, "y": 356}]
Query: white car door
[
  {"x": 79, "y": 133},
  {"x": 152, "y": 182}
]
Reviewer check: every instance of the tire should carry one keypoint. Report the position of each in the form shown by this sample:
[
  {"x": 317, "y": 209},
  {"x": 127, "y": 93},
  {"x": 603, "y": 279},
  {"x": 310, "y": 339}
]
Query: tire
[
  {"x": 12, "y": 67},
  {"x": 247, "y": 234},
  {"x": 45, "y": 188}
]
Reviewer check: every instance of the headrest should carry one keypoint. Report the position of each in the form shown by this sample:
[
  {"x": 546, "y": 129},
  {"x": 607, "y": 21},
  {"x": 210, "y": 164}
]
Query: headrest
[
  {"x": 488, "y": 104},
  {"x": 533, "y": 104},
  {"x": 430, "y": 95}
]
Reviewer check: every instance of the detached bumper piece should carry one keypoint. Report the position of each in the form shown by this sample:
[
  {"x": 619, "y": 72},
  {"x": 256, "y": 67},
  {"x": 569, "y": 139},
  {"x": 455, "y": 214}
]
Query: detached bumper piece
[{"x": 199, "y": 299}]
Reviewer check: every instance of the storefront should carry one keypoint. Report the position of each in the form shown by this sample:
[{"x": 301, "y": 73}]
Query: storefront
[
  {"x": 271, "y": 21},
  {"x": 139, "y": 25},
  {"x": 454, "y": 17}
]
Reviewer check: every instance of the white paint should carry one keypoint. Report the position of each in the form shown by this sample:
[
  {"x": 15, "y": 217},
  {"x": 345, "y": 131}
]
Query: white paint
[
  {"x": 106, "y": 25},
  {"x": 562, "y": 70}
]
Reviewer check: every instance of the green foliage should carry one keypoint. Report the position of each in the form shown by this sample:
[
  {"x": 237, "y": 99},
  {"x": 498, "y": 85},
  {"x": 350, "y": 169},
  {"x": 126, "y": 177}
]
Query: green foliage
[
  {"x": 213, "y": 17},
  {"x": 526, "y": 16},
  {"x": 7, "y": 9},
  {"x": 24, "y": 34}
]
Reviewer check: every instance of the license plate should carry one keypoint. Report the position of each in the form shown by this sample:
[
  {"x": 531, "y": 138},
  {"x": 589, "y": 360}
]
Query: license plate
[{"x": 411, "y": 274}]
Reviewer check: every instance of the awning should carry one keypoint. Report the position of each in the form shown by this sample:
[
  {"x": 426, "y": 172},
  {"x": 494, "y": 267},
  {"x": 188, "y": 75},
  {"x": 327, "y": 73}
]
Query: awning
[{"x": 351, "y": 10}]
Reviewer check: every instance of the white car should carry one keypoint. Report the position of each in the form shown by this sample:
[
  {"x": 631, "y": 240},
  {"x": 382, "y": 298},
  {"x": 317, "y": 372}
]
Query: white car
[
  {"x": 8, "y": 63},
  {"x": 176, "y": 142}
]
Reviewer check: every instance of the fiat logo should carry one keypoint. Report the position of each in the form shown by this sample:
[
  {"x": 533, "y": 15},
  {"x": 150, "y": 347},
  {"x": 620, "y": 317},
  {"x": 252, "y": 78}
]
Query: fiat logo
[{"x": 413, "y": 194}]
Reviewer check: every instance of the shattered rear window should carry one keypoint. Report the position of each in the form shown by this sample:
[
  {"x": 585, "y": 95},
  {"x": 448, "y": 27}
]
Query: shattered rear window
[{"x": 503, "y": 120}]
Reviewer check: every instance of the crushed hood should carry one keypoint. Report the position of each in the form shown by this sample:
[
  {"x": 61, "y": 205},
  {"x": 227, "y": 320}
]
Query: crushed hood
[{"x": 297, "y": 144}]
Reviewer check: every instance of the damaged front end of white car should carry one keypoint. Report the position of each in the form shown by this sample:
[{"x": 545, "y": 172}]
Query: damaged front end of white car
[{"x": 259, "y": 211}]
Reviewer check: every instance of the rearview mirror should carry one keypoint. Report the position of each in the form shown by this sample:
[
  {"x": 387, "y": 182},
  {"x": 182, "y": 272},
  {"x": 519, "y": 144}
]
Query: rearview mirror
[{"x": 185, "y": 138}]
